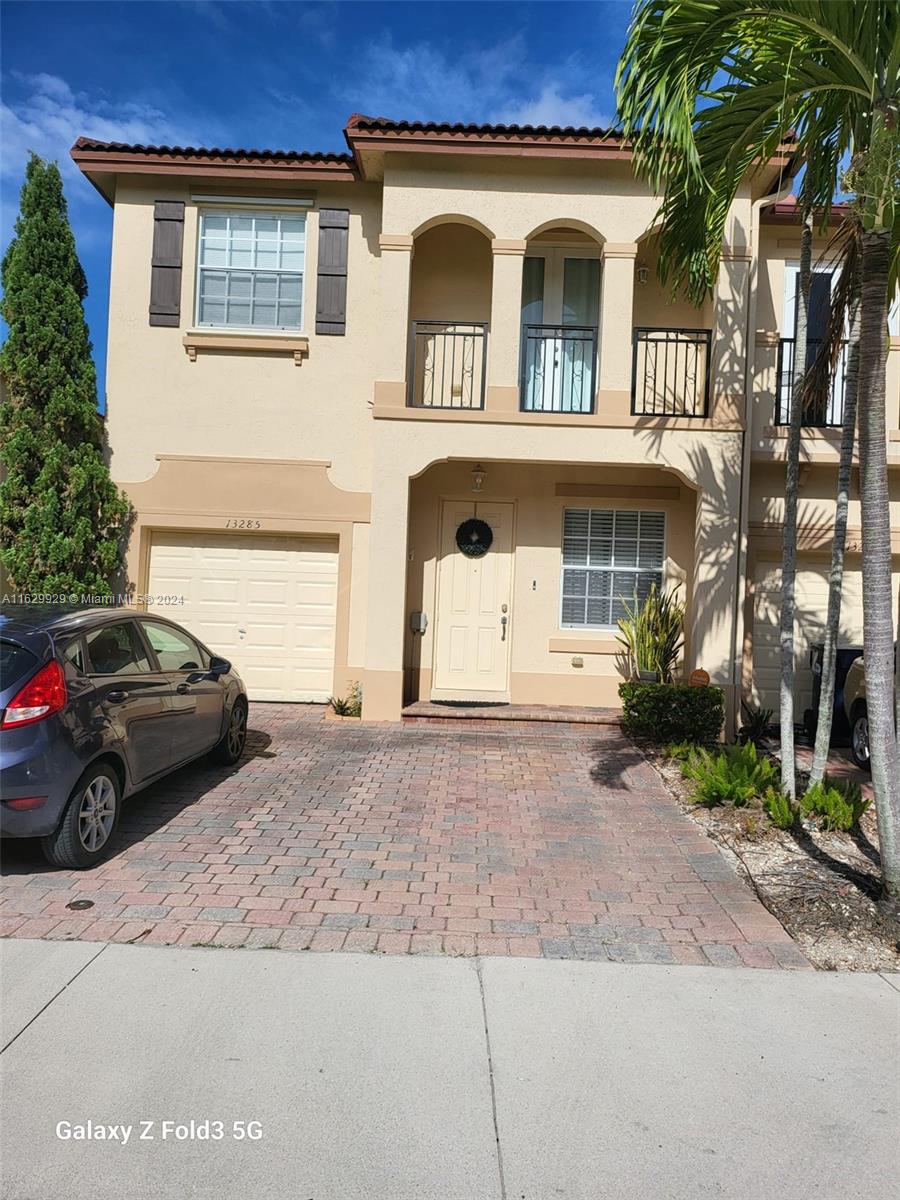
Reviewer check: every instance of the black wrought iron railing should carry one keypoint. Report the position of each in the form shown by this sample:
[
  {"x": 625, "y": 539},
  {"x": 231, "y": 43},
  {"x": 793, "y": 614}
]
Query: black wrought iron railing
[
  {"x": 558, "y": 368},
  {"x": 670, "y": 372},
  {"x": 447, "y": 364},
  {"x": 825, "y": 411}
]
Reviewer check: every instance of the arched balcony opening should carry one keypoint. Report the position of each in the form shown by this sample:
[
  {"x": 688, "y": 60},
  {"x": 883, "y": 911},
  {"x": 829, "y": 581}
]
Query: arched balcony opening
[
  {"x": 561, "y": 288},
  {"x": 450, "y": 311},
  {"x": 672, "y": 343}
]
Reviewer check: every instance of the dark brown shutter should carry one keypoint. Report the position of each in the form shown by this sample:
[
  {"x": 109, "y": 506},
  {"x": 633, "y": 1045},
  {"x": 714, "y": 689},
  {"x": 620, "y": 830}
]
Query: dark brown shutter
[
  {"x": 165, "y": 267},
  {"x": 331, "y": 289}
]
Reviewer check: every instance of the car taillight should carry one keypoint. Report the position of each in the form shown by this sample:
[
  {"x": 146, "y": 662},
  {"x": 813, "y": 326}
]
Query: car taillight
[
  {"x": 26, "y": 803},
  {"x": 42, "y": 696}
]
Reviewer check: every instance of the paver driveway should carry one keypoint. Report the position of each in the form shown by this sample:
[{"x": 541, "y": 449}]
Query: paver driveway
[{"x": 542, "y": 839}]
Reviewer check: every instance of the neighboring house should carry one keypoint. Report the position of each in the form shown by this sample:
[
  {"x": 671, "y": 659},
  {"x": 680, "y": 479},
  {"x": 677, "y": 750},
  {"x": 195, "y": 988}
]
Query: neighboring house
[{"x": 325, "y": 371}]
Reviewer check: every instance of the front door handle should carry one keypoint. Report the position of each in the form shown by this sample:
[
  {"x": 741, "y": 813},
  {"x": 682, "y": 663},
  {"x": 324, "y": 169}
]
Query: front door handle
[
  {"x": 503, "y": 622},
  {"x": 183, "y": 689}
]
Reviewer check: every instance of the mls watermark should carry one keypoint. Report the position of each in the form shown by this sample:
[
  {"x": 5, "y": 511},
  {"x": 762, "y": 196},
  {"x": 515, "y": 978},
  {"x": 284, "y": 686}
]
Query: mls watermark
[{"x": 89, "y": 600}]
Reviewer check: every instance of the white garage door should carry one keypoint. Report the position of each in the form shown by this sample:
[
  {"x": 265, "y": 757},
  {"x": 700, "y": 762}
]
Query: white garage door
[
  {"x": 266, "y": 603},
  {"x": 812, "y": 610}
]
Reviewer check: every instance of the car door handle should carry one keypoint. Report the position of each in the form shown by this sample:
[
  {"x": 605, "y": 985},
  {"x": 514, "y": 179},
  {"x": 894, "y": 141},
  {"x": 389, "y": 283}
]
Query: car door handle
[
  {"x": 116, "y": 697},
  {"x": 183, "y": 689}
]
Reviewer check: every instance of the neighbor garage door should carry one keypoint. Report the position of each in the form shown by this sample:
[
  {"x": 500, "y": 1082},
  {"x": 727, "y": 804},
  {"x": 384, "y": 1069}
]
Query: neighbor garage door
[
  {"x": 811, "y": 611},
  {"x": 266, "y": 603}
]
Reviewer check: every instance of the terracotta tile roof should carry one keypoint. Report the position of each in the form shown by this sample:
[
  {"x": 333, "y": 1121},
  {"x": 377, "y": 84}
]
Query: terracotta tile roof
[
  {"x": 365, "y": 124},
  {"x": 208, "y": 153},
  {"x": 787, "y": 211}
]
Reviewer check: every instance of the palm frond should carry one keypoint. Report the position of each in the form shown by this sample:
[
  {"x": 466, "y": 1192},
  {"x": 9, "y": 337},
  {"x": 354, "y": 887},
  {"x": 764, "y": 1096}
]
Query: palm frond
[{"x": 708, "y": 88}]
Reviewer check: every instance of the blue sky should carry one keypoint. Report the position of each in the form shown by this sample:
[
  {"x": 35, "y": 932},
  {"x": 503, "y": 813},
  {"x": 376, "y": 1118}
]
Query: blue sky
[{"x": 279, "y": 74}]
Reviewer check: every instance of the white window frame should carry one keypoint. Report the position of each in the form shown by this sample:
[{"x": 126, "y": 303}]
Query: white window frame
[
  {"x": 250, "y": 211},
  {"x": 563, "y": 566}
]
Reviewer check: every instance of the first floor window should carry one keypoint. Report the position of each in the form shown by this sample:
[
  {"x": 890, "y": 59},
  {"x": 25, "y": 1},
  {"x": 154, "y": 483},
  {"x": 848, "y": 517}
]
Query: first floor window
[
  {"x": 610, "y": 556},
  {"x": 250, "y": 270}
]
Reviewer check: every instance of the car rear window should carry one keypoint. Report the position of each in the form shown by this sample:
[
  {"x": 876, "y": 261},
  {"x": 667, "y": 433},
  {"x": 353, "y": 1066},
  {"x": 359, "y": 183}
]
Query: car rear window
[{"x": 15, "y": 663}]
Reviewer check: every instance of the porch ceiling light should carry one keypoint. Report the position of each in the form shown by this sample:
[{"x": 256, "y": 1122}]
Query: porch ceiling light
[{"x": 478, "y": 473}]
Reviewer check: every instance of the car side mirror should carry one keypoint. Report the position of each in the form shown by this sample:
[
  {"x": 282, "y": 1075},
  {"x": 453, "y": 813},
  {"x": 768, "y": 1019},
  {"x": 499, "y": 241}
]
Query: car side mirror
[{"x": 217, "y": 666}]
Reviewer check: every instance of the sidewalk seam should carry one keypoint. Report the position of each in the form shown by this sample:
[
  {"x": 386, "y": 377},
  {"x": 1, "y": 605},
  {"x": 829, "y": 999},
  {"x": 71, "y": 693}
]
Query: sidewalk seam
[
  {"x": 55, "y": 996},
  {"x": 490, "y": 1062}
]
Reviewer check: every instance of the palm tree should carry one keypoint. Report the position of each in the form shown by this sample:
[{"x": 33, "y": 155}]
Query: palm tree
[
  {"x": 844, "y": 304},
  {"x": 789, "y": 531},
  {"x": 710, "y": 89}
]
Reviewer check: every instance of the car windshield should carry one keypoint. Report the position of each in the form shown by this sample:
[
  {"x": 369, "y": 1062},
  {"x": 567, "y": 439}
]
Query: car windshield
[{"x": 15, "y": 663}]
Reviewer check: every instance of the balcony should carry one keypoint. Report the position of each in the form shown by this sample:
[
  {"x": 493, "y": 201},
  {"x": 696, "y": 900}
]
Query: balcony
[
  {"x": 828, "y": 411},
  {"x": 670, "y": 372},
  {"x": 558, "y": 368},
  {"x": 447, "y": 364}
]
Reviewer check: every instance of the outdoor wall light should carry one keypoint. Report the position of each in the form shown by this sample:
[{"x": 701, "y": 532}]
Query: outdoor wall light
[
  {"x": 643, "y": 273},
  {"x": 478, "y": 474}
]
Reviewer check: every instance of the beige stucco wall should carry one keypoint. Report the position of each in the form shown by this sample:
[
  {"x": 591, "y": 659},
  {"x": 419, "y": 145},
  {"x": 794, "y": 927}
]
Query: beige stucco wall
[
  {"x": 445, "y": 239},
  {"x": 253, "y": 404},
  {"x": 705, "y": 464},
  {"x": 780, "y": 245},
  {"x": 542, "y": 670},
  {"x": 451, "y": 275},
  {"x": 517, "y": 198}
]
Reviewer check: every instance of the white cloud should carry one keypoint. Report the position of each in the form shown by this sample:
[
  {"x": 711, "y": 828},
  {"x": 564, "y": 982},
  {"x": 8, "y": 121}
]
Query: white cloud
[
  {"x": 553, "y": 107},
  {"x": 420, "y": 83},
  {"x": 487, "y": 84},
  {"x": 50, "y": 116}
]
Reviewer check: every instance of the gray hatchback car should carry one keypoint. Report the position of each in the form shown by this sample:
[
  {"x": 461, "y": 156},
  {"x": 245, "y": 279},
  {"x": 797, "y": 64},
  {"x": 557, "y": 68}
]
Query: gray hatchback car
[{"x": 95, "y": 705}]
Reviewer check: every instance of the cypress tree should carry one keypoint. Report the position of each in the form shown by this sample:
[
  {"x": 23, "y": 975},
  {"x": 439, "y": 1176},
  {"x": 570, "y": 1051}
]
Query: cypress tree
[{"x": 62, "y": 520}]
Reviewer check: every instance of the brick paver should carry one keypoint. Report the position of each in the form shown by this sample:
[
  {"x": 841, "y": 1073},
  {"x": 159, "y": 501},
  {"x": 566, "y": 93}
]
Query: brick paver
[{"x": 526, "y": 839}]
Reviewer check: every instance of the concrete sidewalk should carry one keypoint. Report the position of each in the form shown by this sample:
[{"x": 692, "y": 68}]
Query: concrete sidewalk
[{"x": 390, "y": 1078}]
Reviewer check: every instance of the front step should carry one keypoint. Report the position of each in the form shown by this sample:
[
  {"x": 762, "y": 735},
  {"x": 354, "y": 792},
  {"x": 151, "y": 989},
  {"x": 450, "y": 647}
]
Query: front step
[{"x": 430, "y": 712}]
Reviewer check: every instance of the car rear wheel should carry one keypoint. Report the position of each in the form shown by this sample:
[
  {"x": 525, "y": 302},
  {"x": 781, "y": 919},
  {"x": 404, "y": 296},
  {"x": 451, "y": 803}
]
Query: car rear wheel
[
  {"x": 231, "y": 747},
  {"x": 89, "y": 821},
  {"x": 859, "y": 739}
]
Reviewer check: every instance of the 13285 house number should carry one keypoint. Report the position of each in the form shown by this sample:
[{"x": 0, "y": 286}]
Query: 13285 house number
[{"x": 242, "y": 523}]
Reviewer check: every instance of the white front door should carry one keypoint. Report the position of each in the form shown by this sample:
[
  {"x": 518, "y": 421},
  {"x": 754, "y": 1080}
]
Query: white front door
[{"x": 474, "y": 621}]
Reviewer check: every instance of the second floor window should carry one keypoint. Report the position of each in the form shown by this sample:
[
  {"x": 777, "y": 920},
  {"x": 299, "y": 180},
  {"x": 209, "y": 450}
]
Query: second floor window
[{"x": 250, "y": 270}]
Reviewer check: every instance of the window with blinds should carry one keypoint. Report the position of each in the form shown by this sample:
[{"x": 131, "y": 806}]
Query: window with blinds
[
  {"x": 250, "y": 269},
  {"x": 609, "y": 556}
]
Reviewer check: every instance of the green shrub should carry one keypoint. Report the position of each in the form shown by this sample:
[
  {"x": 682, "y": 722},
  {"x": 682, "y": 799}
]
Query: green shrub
[
  {"x": 652, "y": 632},
  {"x": 349, "y": 705},
  {"x": 735, "y": 775},
  {"x": 756, "y": 724},
  {"x": 672, "y": 712},
  {"x": 679, "y": 750},
  {"x": 835, "y": 805},
  {"x": 778, "y": 806}
]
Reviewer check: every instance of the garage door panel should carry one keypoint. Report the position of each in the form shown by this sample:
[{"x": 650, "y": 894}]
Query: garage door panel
[
  {"x": 267, "y": 604},
  {"x": 811, "y": 615},
  {"x": 268, "y": 592}
]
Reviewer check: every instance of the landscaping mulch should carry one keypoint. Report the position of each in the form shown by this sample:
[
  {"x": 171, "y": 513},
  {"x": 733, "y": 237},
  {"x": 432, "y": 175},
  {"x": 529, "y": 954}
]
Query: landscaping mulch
[{"x": 822, "y": 886}]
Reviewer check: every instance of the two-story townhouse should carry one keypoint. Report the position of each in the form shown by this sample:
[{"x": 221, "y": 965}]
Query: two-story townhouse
[{"x": 421, "y": 415}]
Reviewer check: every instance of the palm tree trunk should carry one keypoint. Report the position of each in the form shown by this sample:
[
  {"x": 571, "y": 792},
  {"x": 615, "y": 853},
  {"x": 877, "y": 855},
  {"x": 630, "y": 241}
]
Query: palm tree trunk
[
  {"x": 836, "y": 577},
  {"x": 878, "y": 631},
  {"x": 789, "y": 544}
]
